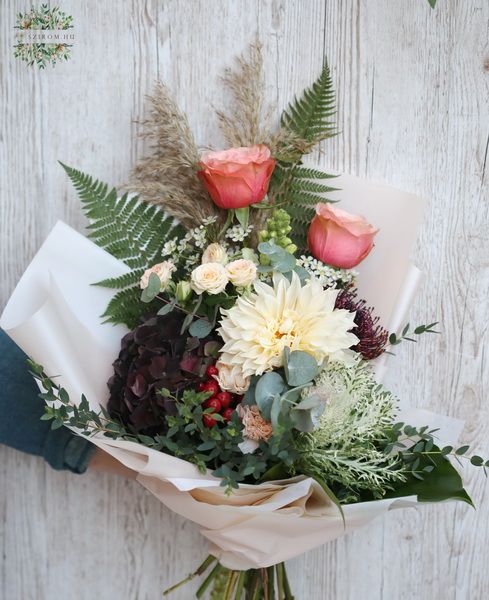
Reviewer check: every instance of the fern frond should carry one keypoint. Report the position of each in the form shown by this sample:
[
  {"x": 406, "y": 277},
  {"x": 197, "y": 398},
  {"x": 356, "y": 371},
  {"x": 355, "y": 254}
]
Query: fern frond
[
  {"x": 129, "y": 229},
  {"x": 310, "y": 116},
  {"x": 306, "y": 185},
  {"x": 126, "y": 307},
  {"x": 123, "y": 281},
  {"x": 301, "y": 172},
  {"x": 306, "y": 122}
]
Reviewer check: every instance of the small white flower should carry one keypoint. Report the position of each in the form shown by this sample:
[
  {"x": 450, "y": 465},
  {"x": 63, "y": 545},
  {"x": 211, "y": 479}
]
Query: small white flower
[
  {"x": 241, "y": 272},
  {"x": 327, "y": 276},
  {"x": 215, "y": 253},
  {"x": 169, "y": 248},
  {"x": 210, "y": 277},
  {"x": 238, "y": 234},
  {"x": 163, "y": 270}
]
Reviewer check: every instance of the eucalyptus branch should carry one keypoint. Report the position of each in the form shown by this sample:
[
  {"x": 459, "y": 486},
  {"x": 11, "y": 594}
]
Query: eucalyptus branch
[{"x": 406, "y": 334}]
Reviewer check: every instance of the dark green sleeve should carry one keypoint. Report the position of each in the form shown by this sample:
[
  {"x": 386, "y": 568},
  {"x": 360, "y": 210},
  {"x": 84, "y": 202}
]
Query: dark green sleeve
[{"x": 21, "y": 409}]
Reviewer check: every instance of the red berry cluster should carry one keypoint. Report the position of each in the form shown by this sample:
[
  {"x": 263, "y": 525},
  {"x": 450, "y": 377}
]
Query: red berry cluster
[{"x": 221, "y": 402}]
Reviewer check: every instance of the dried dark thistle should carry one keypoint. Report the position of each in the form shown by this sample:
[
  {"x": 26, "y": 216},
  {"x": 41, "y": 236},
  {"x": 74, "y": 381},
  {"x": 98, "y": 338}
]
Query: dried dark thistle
[
  {"x": 168, "y": 176},
  {"x": 373, "y": 337},
  {"x": 245, "y": 123}
]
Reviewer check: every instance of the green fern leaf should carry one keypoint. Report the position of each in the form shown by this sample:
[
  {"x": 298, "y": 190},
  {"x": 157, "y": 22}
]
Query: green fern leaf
[
  {"x": 295, "y": 187},
  {"x": 123, "y": 281},
  {"x": 126, "y": 307},
  {"x": 301, "y": 172},
  {"x": 310, "y": 117},
  {"x": 129, "y": 229},
  {"x": 305, "y": 185}
]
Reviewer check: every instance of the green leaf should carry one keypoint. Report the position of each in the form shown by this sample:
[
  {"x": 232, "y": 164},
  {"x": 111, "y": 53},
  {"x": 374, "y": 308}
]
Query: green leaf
[
  {"x": 133, "y": 231},
  {"x": 462, "y": 450},
  {"x": 167, "y": 308},
  {"x": 312, "y": 401},
  {"x": 302, "y": 420},
  {"x": 153, "y": 288},
  {"x": 477, "y": 461},
  {"x": 300, "y": 367},
  {"x": 200, "y": 328},
  {"x": 432, "y": 3},
  {"x": 268, "y": 387},
  {"x": 332, "y": 496},
  {"x": 443, "y": 483},
  {"x": 309, "y": 120},
  {"x": 243, "y": 216}
]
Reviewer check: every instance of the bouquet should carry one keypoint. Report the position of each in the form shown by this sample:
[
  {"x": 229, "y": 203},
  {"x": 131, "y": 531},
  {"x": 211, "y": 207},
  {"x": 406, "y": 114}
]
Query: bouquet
[{"x": 246, "y": 317}]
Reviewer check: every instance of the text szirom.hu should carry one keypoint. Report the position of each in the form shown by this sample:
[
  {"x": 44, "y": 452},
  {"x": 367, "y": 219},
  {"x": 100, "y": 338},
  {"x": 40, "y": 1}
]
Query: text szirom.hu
[{"x": 45, "y": 36}]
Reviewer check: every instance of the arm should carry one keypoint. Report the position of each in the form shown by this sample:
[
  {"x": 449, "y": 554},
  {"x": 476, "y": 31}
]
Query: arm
[{"x": 21, "y": 427}]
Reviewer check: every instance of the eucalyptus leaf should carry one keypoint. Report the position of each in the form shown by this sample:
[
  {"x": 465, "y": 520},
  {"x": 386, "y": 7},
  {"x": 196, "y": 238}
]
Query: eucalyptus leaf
[
  {"x": 312, "y": 401},
  {"x": 268, "y": 386},
  {"x": 302, "y": 420},
  {"x": 200, "y": 328},
  {"x": 167, "y": 308},
  {"x": 275, "y": 411},
  {"x": 300, "y": 367},
  {"x": 152, "y": 289}
]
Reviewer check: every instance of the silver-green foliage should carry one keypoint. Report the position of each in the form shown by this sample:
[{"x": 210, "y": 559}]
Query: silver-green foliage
[
  {"x": 346, "y": 447},
  {"x": 129, "y": 229}
]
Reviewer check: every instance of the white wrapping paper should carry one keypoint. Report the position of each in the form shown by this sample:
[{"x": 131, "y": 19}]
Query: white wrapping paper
[{"x": 53, "y": 315}]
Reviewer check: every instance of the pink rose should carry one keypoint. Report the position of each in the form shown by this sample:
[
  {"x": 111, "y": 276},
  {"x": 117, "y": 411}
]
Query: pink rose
[
  {"x": 338, "y": 238},
  {"x": 237, "y": 177}
]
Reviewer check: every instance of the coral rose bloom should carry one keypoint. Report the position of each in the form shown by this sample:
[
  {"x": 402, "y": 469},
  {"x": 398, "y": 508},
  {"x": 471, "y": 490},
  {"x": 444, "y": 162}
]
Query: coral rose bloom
[
  {"x": 339, "y": 238},
  {"x": 237, "y": 177}
]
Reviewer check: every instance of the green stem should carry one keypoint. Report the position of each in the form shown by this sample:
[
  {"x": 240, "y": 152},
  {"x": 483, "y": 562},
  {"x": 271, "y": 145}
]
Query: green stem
[
  {"x": 202, "y": 589},
  {"x": 271, "y": 583},
  {"x": 231, "y": 582},
  {"x": 288, "y": 591},
  {"x": 229, "y": 220},
  {"x": 264, "y": 579},
  {"x": 201, "y": 569},
  {"x": 240, "y": 586},
  {"x": 280, "y": 580},
  {"x": 251, "y": 584}
]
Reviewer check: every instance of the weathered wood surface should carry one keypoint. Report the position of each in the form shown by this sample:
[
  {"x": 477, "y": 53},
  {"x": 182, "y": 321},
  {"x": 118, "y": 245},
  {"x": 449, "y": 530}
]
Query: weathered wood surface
[{"x": 413, "y": 87}]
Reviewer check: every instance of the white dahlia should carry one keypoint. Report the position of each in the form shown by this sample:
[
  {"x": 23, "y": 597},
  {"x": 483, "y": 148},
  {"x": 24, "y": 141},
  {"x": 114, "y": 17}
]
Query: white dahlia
[{"x": 258, "y": 328}]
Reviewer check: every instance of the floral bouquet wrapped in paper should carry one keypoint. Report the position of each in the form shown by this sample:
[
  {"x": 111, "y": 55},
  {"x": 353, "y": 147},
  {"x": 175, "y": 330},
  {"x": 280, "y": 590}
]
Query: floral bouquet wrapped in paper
[{"x": 246, "y": 389}]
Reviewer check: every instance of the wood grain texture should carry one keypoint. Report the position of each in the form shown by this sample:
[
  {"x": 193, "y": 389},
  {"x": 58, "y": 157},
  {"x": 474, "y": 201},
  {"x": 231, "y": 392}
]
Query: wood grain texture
[{"x": 414, "y": 112}]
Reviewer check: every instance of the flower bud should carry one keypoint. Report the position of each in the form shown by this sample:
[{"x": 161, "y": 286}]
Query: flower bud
[{"x": 184, "y": 291}]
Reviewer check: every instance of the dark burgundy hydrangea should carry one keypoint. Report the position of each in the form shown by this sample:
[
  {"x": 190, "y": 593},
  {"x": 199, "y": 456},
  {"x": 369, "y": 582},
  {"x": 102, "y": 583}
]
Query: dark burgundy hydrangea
[
  {"x": 153, "y": 356},
  {"x": 373, "y": 337}
]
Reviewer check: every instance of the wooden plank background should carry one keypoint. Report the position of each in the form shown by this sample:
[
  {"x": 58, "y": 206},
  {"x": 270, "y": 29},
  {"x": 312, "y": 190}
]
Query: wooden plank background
[{"x": 413, "y": 88}]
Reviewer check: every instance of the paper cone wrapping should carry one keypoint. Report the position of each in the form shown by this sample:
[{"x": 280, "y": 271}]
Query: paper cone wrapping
[{"x": 54, "y": 316}]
